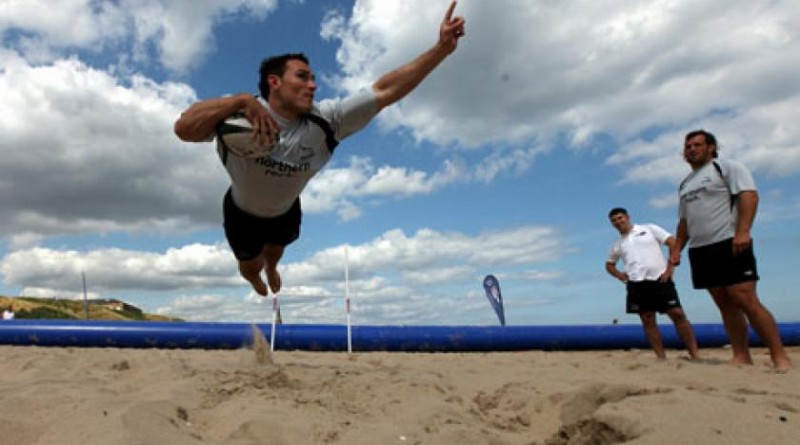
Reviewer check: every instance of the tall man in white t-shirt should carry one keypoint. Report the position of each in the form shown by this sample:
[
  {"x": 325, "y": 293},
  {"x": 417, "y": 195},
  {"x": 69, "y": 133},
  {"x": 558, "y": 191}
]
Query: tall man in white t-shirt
[
  {"x": 262, "y": 210},
  {"x": 718, "y": 202},
  {"x": 648, "y": 279}
]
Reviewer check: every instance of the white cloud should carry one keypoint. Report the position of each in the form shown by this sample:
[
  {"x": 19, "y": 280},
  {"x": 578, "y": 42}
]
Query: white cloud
[
  {"x": 537, "y": 275},
  {"x": 84, "y": 152},
  {"x": 179, "y": 30},
  {"x": 516, "y": 160},
  {"x": 336, "y": 188},
  {"x": 665, "y": 201},
  {"x": 615, "y": 68},
  {"x": 392, "y": 268},
  {"x": 112, "y": 270},
  {"x": 72, "y": 23}
]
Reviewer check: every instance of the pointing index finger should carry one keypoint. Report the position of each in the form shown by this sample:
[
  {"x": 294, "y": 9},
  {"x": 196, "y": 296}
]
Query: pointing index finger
[{"x": 449, "y": 14}]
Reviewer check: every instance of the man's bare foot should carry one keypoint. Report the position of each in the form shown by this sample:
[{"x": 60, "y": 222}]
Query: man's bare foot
[
  {"x": 274, "y": 280},
  {"x": 782, "y": 365},
  {"x": 740, "y": 361}
]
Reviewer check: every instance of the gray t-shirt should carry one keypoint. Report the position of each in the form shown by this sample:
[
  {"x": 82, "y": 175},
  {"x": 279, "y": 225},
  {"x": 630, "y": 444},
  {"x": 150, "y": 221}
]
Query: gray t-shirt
[
  {"x": 268, "y": 186},
  {"x": 705, "y": 201}
]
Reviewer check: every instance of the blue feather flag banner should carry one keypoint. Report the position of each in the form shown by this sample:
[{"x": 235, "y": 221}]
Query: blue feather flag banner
[{"x": 492, "y": 288}]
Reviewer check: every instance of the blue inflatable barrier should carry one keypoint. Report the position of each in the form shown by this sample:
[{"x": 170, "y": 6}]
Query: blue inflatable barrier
[{"x": 311, "y": 337}]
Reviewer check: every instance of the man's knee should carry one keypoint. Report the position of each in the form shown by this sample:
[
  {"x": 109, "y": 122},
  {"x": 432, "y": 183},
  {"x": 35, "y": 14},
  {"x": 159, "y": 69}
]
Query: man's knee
[
  {"x": 744, "y": 296},
  {"x": 677, "y": 315},
  {"x": 648, "y": 318},
  {"x": 272, "y": 253}
]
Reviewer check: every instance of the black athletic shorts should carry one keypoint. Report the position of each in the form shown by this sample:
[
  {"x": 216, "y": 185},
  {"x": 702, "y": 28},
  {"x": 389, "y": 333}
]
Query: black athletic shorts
[
  {"x": 248, "y": 234},
  {"x": 651, "y": 296},
  {"x": 715, "y": 265}
]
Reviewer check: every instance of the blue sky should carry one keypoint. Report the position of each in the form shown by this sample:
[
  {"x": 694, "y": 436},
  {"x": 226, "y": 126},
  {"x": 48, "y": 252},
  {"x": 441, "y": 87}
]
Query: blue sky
[{"x": 505, "y": 160}]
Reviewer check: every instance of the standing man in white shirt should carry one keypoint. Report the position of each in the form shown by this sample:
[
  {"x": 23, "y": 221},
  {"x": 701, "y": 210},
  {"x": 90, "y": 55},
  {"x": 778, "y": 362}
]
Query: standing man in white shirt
[
  {"x": 8, "y": 313},
  {"x": 648, "y": 279}
]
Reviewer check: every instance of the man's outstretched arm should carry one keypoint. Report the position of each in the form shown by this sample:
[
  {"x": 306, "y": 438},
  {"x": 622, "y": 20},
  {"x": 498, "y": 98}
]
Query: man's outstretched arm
[{"x": 396, "y": 84}]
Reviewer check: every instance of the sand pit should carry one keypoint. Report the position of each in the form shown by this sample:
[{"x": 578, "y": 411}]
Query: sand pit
[{"x": 72, "y": 396}]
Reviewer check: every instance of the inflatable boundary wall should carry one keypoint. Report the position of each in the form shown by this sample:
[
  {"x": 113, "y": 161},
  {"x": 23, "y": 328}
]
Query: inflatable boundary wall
[{"x": 312, "y": 337}]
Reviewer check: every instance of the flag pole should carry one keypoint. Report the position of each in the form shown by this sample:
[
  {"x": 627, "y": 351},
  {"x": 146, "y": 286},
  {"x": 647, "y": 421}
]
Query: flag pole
[
  {"x": 347, "y": 301},
  {"x": 85, "y": 298}
]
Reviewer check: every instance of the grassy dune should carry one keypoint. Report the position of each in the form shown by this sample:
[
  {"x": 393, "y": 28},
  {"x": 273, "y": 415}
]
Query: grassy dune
[{"x": 52, "y": 308}]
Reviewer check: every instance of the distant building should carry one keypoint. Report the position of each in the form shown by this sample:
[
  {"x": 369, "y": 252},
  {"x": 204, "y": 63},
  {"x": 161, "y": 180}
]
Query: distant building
[{"x": 115, "y": 305}]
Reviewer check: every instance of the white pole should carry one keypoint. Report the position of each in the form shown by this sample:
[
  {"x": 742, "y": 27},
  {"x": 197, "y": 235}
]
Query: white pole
[
  {"x": 85, "y": 298},
  {"x": 274, "y": 320},
  {"x": 347, "y": 300}
]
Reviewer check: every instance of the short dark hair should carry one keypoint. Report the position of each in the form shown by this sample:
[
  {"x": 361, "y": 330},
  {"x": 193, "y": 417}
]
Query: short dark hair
[
  {"x": 617, "y": 210},
  {"x": 709, "y": 138},
  {"x": 275, "y": 65}
]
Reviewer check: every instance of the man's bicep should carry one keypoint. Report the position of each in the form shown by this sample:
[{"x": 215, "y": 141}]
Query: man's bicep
[{"x": 350, "y": 114}]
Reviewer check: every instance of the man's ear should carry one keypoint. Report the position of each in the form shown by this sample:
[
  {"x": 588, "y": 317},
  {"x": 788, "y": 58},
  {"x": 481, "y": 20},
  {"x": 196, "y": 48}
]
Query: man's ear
[{"x": 274, "y": 81}]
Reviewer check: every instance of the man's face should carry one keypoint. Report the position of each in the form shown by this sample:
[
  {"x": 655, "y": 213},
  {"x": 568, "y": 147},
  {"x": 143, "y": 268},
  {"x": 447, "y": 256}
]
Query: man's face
[
  {"x": 295, "y": 89},
  {"x": 697, "y": 152},
  {"x": 621, "y": 222}
]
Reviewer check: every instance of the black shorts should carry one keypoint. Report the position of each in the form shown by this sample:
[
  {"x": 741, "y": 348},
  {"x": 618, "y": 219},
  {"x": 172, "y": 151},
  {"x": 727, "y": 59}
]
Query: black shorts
[
  {"x": 651, "y": 296},
  {"x": 248, "y": 234},
  {"x": 715, "y": 265}
]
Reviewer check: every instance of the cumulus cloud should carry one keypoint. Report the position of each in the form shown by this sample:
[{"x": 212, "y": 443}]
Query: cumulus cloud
[
  {"x": 176, "y": 33},
  {"x": 112, "y": 270},
  {"x": 337, "y": 188},
  {"x": 619, "y": 69},
  {"x": 84, "y": 151},
  {"x": 392, "y": 268},
  {"x": 70, "y": 24}
]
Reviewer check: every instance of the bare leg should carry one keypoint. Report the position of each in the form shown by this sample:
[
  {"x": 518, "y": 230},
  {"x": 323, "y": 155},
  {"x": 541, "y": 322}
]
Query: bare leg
[
  {"x": 685, "y": 331},
  {"x": 745, "y": 297},
  {"x": 735, "y": 325},
  {"x": 251, "y": 271},
  {"x": 272, "y": 254},
  {"x": 653, "y": 334}
]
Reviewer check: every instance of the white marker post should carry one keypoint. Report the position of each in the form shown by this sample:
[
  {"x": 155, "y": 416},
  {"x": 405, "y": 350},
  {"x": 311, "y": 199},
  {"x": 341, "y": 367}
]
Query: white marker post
[
  {"x": 274, "y": 321},
  {"x": 347, "y": 301}
]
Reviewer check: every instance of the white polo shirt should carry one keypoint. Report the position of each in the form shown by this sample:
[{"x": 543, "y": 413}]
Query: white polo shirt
[{"x": 640, "y": 252}]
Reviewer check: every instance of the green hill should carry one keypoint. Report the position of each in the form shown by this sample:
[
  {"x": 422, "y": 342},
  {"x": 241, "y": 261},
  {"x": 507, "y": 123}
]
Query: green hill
[{"x": 53, "y": 308}]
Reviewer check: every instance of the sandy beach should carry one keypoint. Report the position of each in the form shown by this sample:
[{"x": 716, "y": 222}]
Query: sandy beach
[{"x": 78, "y": 396}]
